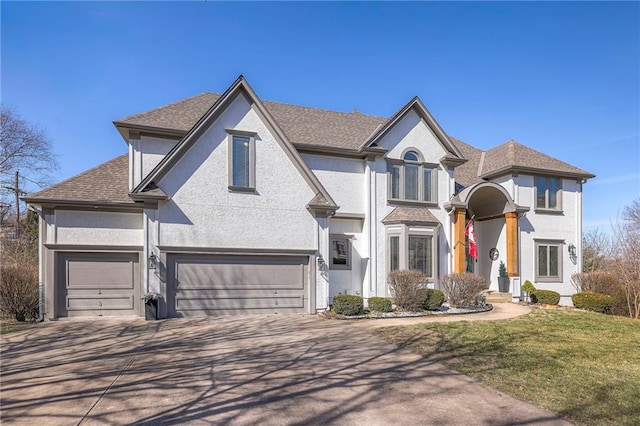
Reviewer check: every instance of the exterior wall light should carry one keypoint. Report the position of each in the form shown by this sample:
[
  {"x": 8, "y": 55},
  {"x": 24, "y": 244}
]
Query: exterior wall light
[
  {"x": 572, "y": 249},
  {"x": 153, "y": 261}
]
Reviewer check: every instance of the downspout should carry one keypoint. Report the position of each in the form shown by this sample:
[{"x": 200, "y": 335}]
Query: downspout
[
  {"x": 373, "y": 258},
  {"x": 41, "y": 225},
  {"x": 579, "y": 228}
]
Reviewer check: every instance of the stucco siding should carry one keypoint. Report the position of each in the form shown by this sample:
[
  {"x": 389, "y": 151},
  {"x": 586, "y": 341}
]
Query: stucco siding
[
  {"x": 490, "y": 234},
  {"x": 95, "y": 228},
  {"x": 153, "y": 150},
  {"x": 349, "y": 281},
  {"x": 203, "y": 212},
  {"x": 412, "y": 132},
  {"x": 344, "y": 179},
  {"x": 560, "y": 227}
]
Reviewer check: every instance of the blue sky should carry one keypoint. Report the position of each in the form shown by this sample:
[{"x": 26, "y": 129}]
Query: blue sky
[{"x": 562, "y": 78}]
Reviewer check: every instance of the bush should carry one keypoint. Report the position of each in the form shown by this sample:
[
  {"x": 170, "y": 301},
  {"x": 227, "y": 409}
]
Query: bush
[
  {"x": 464, "y": 290},
  {"x": 19, "y": 292},
  {"x": 347, "y": 304},
  {"x": 434, "y": 300},
  {"x": 595, "y": 302},
  {"x": 380, "y": 304},
  {"x": 603, "y": 283},
  {"x": 527, "y": 287},
  {"x": 548, "y": 297},
  {"x": 409, "y": 289}
]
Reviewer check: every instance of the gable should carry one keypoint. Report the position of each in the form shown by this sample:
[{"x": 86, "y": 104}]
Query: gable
[
  {"x": 203, "y": 211},
  {"x": 410, "y": 132},
  {"x": 404, "y": 128},
  {"x": 239, "y": 87}
]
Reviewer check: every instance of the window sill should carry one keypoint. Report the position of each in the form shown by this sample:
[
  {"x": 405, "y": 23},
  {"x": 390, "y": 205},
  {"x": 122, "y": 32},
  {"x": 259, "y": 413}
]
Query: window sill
[
  {"x": 339, "y": 268},
  {"x": 556, "y": 280},
  {"x": 393, "y": 201},
  {"x": 549, "y": 211},
  {"x": 248, "y": 189}
]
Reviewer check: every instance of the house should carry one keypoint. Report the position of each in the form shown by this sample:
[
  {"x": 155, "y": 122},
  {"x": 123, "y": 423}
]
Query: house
[{"x": 230, "y": 204}]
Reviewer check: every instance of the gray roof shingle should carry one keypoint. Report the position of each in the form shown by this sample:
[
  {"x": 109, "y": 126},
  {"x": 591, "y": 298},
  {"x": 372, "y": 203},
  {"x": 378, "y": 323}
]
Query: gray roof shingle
[
  {"x": 302, "y": 125},
  {"x": 105, "y": 184},
  {"x": 512, "y": 155},
  {"x": 405, "y": 214}
]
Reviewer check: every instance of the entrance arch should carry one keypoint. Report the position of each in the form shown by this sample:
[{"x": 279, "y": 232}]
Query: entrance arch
[{"x": 487, "y": 201}]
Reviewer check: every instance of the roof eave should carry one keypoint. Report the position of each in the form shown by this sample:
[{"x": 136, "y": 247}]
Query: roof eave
[
  {"x": 148, "y": 197},
  {"x": 80, "y": 203},
  {"x": 534, "y": 170},
  {"x": 411, "y": 222},
  {"x": 125, "y": 128},
  {"x": 452, "y": 161}
]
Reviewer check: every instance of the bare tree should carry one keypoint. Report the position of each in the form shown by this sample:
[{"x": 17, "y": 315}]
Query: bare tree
[
  {"x": 24, "y": 147},
  {"x": 26, "y": 155},
  {"x": 596, "y": 247},
  {"x": 627, "y": 255}
]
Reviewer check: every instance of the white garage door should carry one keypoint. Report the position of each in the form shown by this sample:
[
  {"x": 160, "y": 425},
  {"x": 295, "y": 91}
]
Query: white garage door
[
  {"x": 203, "y": 285},
  {"x": 98, "y": 284}
]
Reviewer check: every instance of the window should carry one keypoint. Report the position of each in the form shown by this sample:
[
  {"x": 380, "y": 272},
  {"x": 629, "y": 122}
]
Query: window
[
  {"x": 411, "y": 248},
  {"x": 549, "y": 261},
  {"x": 412, "y": 180},
  {"x": 420, "y": 254},
  {"x": 547, "y": 193},
  {"x": 241, "y": 161},
  {"x": 394, "y": 253},
  {"x": 340, "y": 253}
]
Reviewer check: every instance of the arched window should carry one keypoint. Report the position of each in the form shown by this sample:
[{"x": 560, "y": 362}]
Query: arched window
[
  {"x": 411, "y": 156},
  {"x": 412, "y": 179}
]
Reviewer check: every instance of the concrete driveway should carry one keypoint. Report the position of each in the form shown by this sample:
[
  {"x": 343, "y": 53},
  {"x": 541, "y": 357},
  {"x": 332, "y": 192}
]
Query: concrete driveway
[{"x": 236, "y": 370}]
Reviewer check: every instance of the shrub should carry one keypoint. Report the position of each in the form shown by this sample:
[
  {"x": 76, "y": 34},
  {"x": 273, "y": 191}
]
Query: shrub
[
  {"x": 548, "y": 297},
  {"x": 434, "y": 300},
  {"x": 348, "y": 304},
  {"x": 19, "y": 292},
  {"x": 527, "y": 287},
  {"x": 380, "y": 304},
  {"x": 603, "y": 283},
  {"x": 502, "y": 270},
  {"x": 464, "y": 290},
  {"x": 595, "y": 282},
  {"x": 595, "y": 302},
  {"x": 409, "y": 289}
]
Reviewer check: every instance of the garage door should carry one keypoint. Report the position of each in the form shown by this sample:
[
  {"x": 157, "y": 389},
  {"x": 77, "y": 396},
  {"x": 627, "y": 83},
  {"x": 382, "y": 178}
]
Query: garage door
[
  {"x": 98, "y": 284},
  {"x": 203, "y": 285}
]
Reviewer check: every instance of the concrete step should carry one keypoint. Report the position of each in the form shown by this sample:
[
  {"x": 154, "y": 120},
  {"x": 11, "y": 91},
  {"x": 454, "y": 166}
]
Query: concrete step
[{"x": 496, "y": 297}]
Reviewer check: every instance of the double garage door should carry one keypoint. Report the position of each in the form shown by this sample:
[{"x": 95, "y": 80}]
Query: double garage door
[
  {"x": 109, "y": 284},
  {"x": 203, "y": 285}
]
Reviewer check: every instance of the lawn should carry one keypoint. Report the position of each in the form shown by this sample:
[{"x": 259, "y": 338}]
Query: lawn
[{"x": 583, "y": 366}]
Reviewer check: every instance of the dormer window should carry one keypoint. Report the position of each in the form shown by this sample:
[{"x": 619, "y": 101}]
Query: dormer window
[{"x": 411, "y": 179}]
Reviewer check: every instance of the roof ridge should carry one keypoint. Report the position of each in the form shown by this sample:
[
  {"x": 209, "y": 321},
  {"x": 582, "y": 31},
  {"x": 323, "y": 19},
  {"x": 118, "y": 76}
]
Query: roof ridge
[
  {"x": 78, "y": 175},
  {"x": 352, "y": 113},
  {"x": 178, "y": 102}
]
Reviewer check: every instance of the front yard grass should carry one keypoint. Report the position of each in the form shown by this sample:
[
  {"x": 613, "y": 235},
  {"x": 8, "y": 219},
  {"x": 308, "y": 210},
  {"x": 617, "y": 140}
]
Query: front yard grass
[{"x": 583, "y": 366}]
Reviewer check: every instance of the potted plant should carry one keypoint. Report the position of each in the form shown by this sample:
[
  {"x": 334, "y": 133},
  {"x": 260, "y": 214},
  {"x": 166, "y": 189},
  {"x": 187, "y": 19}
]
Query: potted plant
[
  {"x": 503, "y": 279},
  {"x": 151, "y": 299}
]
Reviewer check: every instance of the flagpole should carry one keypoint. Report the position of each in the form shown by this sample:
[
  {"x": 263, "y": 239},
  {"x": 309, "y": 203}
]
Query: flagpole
[{"x": 470, "y": 220}]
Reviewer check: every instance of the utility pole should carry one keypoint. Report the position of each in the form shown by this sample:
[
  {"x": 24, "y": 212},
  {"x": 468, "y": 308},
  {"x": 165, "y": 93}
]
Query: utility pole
[{"x": 17, "y": 192}]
